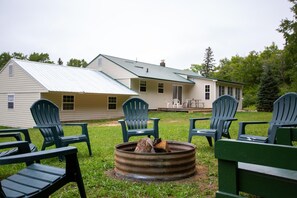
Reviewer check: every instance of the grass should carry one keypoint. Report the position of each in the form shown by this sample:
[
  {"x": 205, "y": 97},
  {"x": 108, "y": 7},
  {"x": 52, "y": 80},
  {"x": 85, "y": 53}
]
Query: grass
[{"x": 105, "y": 135}]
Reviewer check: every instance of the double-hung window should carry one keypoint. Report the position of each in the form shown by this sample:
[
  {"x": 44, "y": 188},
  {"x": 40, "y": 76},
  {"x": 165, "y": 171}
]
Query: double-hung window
[
  {"x": 142, "y": 86},
  {"x": 160, "y": 87},
  {"x": 10, "y": 101},
  {"x": 68, "y": 102},
  {"x": 112, "y": 103},
  {"x": 207, "y": 92}
]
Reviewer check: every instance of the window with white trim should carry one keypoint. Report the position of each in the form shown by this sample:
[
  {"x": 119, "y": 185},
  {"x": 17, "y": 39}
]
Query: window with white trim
[
  {"x": 221, "y": 90},
  {"x": 230, "y": 91},
  {"x": 142, "y": 86},
  {"x": 10, "y": 70},
  {"x": 112, "y": 102},
  {"x": 10, "y": 101},
  {"x": 68, "y": 102},
  {"x": 160, "y": 87},
  {"x": 237, "y": 94},
  {"x": 207, "y": 92}
]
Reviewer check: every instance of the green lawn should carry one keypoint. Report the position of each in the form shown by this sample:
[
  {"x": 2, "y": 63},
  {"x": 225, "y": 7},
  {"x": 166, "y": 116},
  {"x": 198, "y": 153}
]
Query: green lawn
[{"x": 105, "y": 135}]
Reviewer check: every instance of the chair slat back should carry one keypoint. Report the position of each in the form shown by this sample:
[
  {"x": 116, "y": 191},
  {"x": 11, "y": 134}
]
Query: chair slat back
[
  {"x": 284, "y": 111},
  {"x": 45, "y": 112},
  {"x": 223, "y": 107},
  {"x": 136, "y": 113}
]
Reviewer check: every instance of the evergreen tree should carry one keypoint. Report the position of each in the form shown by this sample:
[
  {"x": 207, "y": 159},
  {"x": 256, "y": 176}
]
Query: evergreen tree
[
  {"x": 60, "y": 62},
  {"x": 268, "y": 91},
  {"x": 208, "y": 65}
]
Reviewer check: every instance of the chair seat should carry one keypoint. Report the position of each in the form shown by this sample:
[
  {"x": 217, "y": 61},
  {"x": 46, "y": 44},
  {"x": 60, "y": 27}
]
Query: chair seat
[
  {"x": 253, "y": 138},
  {"x": 73, "y": 139},
  {"x": 140, "y": 131},
  {"x": 205, "y": 132},
  {"x": 30, "y": 180},
  {"x": 14, "y": 151}
]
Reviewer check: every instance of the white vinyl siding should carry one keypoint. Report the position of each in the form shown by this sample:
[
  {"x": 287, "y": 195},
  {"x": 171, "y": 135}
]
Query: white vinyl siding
[{"x": 20, "y": 116}]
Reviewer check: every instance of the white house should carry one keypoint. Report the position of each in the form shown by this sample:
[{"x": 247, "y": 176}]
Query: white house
[
  {"x": 159, "y": 85},
  {"x": 81, "y": 94},
  {"x": 98, "y": 91}
]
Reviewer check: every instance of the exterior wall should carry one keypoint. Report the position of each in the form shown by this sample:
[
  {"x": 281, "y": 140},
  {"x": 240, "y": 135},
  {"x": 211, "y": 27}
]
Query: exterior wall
[
  {"x": 19, "y": 82},
  {"x": 152, "y": 97},
  {"x": 26, "y": 91},
  {"x": 20, "y": 115},
  {"x": 198, "y": 91},
  {"x": 87, "y": 106},
  {"x": 113, "y": 70},
  {"x": 234, "y": 86}
]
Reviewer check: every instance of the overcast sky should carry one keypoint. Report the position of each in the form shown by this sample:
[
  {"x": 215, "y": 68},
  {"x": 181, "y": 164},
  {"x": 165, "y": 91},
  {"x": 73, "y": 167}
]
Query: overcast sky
[{"x": 178, "y": 31}]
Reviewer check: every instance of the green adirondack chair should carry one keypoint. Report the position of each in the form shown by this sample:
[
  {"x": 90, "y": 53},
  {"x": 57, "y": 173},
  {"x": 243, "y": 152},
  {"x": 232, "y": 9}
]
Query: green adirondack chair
[
  {"x": 136, "y": 120},
  {"x": 223, "y": 111},
  {"x": 39, "y": 180},
  {"x": 46, "y": 116},
  {"x": 16, "y": 133},
  {"x": 284, "y": 114}
]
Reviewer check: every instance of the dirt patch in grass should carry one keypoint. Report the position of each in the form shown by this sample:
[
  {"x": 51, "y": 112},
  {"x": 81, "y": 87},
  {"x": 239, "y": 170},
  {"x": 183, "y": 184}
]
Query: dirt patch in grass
[{"x": 201, "y": 178}]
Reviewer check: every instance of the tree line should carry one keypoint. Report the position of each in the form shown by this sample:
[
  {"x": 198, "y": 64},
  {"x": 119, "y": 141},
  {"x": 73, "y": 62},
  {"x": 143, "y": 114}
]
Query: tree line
[
  {"x": 39, "y": 57},
  {"x": 278, "y": 65}
]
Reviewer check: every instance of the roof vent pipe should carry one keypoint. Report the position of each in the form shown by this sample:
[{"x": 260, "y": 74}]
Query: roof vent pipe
[{"x": 162, "y": 63}]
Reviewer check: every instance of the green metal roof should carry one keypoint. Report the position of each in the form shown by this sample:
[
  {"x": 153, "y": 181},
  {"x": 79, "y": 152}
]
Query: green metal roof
[{"x": 146, "y": 70}]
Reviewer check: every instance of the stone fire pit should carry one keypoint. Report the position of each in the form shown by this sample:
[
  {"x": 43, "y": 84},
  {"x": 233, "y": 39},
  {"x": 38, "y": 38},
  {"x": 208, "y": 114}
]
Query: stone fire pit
[{"x": 178, "y": 164}]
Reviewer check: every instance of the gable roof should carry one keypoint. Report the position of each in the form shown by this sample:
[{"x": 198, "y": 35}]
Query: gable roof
[
  {"x": 147, "y": 70},
  {"x": 59, "y": 78}
]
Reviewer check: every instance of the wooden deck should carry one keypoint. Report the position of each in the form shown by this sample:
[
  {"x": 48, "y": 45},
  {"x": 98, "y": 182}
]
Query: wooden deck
[{"x": 188, "y": 110}]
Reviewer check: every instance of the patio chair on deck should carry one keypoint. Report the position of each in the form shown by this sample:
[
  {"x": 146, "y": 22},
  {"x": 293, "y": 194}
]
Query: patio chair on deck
[
  {"x": 136, "y": 120},
  {"x": 46, "y": 116},
  {"x": 284, "y": 114},
  {"x": 223, "y": 112},
  {"x": 39, "y": 180}
]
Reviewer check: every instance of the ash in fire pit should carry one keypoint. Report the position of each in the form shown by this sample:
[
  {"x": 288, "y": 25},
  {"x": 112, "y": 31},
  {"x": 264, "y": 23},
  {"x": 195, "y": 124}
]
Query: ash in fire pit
[{"x": 179, "y": 163}]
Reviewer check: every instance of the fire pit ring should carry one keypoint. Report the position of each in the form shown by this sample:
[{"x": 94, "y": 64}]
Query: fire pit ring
[{"x": 180, "y": 163}]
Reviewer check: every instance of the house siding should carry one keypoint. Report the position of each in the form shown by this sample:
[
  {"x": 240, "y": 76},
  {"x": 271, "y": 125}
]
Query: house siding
[
  {"x": 87, "y": 106},
  {"x": 20, "y": 115},
  {"x": 152, "y": 97},
  {"x": 19, "y": 82},
  {"x": 115, "y": 71},
  {"x": 198, "y": 91}
]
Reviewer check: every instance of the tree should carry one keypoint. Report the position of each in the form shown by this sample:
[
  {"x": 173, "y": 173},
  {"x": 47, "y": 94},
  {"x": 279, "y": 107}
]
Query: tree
[
  {"x": 40, "y": 57},
  {"x": 77, "y": 63},
  {"x": 60, "y": 62},
  {"x": 208, "y": 65},
  {"x": 268, "y": 91},
  {"x": 289, "y": 30},
  {"x": 4, "y": 58},
  {"x": 196, "y": 68}
]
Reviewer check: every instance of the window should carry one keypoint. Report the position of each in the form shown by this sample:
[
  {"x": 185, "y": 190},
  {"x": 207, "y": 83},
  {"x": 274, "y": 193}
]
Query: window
[
  {"x": 207, "y": 92},
  {"x": 230, "y": 91},
  {"x": 10, "y": 101},
  {"x": 221, "y": 90},
  {"x": 112, "y": 103},
  {"x": 142, "y": 86},
  {"x": 68, "y": 102},
  {"x": 237, "y": 94},
  {"x": 10, "y": 70},
  {"x": 160, "y": 87}
]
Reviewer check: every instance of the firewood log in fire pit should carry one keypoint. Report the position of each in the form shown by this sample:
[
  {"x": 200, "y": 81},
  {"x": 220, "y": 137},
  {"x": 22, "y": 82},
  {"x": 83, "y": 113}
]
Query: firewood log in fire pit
[{"x": 146, "y": 145}]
